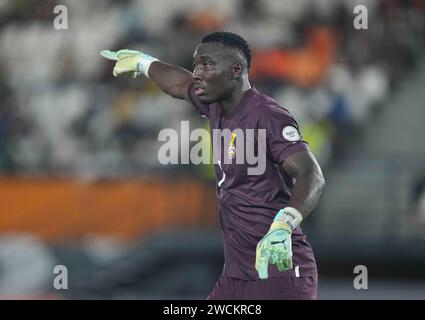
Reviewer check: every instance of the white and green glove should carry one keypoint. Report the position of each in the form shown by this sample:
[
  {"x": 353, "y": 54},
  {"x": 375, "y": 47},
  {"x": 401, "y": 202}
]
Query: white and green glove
[
  {"x": 276, "y": 246},
  {"x": 129, "y": 62}
]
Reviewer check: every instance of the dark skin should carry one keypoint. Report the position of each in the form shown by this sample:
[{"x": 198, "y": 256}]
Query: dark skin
[{"x": 221, "y": 75}]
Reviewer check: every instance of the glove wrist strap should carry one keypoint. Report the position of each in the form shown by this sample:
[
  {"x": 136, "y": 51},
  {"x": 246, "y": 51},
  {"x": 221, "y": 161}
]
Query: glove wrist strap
[
  {"x": 144, "y": 63},
  {"x": 290, "y": 216},
  {"x": 280, "y": 225}
]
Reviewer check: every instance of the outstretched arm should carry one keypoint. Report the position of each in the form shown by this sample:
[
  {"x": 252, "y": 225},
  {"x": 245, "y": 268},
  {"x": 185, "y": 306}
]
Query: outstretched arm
[{"x": 171, "y": 79}]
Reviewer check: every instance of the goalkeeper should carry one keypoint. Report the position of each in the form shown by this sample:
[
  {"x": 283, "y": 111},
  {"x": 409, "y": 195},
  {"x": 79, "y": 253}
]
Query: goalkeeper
[{"x": 267, "y": 256}]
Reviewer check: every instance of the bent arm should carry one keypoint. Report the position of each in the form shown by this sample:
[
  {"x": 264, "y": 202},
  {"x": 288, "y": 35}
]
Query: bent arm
[
  {"x": 309, "y": 181},
  {"x": 173, "y": 80}
]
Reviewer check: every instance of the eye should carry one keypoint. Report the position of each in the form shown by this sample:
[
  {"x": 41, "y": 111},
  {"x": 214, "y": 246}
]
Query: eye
[{"x": 206, "y": 65}]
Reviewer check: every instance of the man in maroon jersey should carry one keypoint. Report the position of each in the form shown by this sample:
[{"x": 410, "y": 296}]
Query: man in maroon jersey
[{"x": 267, "y": 255}]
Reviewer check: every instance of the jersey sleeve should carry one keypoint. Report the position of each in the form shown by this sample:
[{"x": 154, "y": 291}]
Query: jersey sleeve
[
  {"x": 203, "y": 109},
  {"x": 282, "y": 134}
]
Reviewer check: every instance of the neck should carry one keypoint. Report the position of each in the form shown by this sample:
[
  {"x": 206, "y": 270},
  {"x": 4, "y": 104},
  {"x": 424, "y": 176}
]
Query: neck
[{"x": 230, "y": 102}]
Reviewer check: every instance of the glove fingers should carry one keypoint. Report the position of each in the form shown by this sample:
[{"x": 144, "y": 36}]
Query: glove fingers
[
  {"x": 262, "y": 262},
  {"x": 257, "y": 255},
  {"x": 120, "y": 71},
  {"x": 282, "y": 264},
  {"x": 274, "y": 257},
  {"x": 263, "y": 266},
  {"x": 288, "y": 263},
  {"x": 126, "y": 52},
  {"x": 108, "y": 54},
  {"x": 115, "y": 55}
]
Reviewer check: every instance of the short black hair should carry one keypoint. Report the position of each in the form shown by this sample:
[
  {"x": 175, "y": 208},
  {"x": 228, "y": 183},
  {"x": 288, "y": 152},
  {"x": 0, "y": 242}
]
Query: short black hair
[{"x": 232, "y": 40}]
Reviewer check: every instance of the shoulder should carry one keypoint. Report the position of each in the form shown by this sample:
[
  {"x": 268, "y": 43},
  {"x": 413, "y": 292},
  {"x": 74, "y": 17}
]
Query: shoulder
[{"x": 268, "y": 110}]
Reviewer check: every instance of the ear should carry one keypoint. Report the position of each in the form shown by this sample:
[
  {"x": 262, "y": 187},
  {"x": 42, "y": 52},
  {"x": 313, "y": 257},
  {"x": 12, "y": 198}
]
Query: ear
[{"x": 237, "y": 70}]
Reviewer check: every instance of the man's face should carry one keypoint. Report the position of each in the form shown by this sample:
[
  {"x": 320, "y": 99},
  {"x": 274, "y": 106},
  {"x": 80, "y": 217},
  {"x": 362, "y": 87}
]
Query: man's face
[{"x": 213, "y": 72}]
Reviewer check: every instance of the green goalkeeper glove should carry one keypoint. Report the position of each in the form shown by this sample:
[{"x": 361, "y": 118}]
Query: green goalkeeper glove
[
  {"x": 276, "y": 246},
  {"x": 129, "y": 62}
]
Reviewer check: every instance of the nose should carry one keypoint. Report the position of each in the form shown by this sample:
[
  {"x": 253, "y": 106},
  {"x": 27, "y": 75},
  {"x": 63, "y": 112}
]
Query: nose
[{"x": 197, "y": 75}]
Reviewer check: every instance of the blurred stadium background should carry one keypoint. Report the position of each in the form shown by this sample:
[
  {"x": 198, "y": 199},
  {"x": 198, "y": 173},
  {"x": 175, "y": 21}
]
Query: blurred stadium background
[{"x": 81, "y": 185}]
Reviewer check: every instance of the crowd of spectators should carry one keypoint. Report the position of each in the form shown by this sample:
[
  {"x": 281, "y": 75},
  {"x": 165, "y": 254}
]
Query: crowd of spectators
[{"x": 63, "y": 113}]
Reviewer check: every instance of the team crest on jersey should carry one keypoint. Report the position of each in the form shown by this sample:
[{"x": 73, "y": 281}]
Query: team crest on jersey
[{"x": 231, "y": 151}]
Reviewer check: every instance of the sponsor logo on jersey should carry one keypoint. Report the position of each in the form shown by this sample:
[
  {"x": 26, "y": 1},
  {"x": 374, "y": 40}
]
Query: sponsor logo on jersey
[{"x": 290, "y": 133}]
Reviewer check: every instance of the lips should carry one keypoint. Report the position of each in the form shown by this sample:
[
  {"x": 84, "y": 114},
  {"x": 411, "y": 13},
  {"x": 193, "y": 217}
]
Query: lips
[{"x": 199, "y": 90}]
